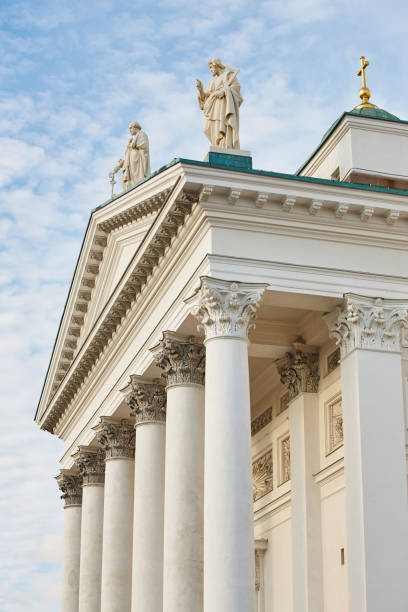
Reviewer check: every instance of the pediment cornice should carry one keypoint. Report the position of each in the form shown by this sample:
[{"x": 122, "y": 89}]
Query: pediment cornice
[
  {"x": 125, "y": 209},
  {"x": 147, "y": 258}
]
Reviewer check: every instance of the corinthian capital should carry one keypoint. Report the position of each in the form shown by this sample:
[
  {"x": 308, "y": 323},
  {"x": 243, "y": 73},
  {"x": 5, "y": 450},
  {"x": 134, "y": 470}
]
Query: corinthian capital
[
  {"x": 225, "y": 308},
  {"x": 182, "y": 359},
  {"x": 91, "y": 465},
  {"x": 117, "y": 437},
  {"x": 368, "y": 323},
  {"x": 299, "y": 370},
  {"x": 146, "y": 399},
  {"x": 71, "y": 487}
]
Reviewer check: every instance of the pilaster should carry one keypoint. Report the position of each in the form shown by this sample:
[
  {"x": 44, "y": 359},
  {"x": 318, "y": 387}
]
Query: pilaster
[
  {"x": 299, "y": 372},
  {"x": 369, "y": 332}
]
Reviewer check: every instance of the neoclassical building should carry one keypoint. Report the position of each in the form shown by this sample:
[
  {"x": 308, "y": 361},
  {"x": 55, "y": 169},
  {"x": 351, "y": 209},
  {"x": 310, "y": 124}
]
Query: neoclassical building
[{"x": 230, "y": 382}]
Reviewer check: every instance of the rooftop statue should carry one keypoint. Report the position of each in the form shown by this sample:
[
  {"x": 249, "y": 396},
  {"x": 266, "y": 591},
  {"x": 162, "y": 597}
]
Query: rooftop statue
[
  {"x": 136, "y": 164},
  {"x": 220, "y": 103}
]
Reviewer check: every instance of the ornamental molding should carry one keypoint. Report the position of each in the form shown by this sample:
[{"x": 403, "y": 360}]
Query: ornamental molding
[
  {"x": 261, "y": 420},
  {"x": 182, "y": 359},
  {"x": 91, "y": 270},
  {"x": 226, "y": 308},
  {"x": 116, "y": 310},
  {"x": 299, "y": 370},
  {"x": 262, "y": 475},
  {"x": 71, "y": 487},
  {"x": 116, "y": 437},
  {"x": 261, "y": 546},
  {"x": 146, "y": 399},
  {"x": 91, "y": 465},
  {"x": 368, "y": 323}
]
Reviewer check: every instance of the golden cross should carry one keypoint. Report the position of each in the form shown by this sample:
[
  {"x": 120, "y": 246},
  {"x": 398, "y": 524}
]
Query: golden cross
[{"x": 361, "y": 72}]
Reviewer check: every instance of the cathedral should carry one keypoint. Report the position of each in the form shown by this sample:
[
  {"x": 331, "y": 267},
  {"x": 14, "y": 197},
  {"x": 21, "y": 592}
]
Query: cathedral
[{"x": 230, "y": 376}]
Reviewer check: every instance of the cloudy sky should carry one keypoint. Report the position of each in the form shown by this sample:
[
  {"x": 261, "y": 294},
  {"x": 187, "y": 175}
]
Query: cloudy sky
[{"x": 73, "y": 74}]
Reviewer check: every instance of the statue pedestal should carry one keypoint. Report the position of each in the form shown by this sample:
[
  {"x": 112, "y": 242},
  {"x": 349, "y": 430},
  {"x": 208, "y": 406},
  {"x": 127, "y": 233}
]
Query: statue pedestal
[{"x": 236, "y": 159}]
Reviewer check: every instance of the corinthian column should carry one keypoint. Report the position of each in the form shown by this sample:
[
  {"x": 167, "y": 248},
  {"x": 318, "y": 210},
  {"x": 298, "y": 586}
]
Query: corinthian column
[
  {"x": 70, "y": 485},
  {"x": 92, "y": 469},
  {"x": 368, "y": 331},
  {"x": 299, "y": 371},
  {"x": 225, "y": 310},
  {"x": 147, "y": 401},
  {"x": 117, "y": 438},
  {"x": 182, "y": 361}
]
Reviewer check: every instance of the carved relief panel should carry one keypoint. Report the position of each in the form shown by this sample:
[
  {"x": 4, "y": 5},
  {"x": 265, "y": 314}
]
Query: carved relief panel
[
  {"x": 334, "y": 424},
  {"x": 284, "y": 459},
  {"x": 262, "y": 473}
]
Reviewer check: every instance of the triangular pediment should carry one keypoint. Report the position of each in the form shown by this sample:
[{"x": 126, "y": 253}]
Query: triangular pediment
[{"x": 115, "y": 232}]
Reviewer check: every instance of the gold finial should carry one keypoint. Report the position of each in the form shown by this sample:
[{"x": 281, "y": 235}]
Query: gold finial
[{"x": 364, "y": 92}]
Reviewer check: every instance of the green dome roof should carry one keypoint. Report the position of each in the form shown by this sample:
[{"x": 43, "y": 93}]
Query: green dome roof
[{"x": 374, "y": 113}]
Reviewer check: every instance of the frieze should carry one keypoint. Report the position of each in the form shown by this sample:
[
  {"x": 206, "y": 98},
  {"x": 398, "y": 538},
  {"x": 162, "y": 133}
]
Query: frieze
[{"x": 261, "y": 421}]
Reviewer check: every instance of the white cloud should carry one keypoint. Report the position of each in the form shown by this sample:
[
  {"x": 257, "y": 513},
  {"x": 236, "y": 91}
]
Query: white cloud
[{"x": 73, "y": 77}]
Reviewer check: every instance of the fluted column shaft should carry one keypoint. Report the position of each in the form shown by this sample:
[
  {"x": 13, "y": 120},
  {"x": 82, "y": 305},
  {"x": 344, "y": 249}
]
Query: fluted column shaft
[
  {"x": 182, "y": 360},
  {"x": 368, "y": 331},
  {"x": 147, "y": 400},
  {"x": 91, "y": 466},
  {"x": 117, "y": 439},
  {"x": 70, "y": 485},
  {"x": 224, "y": 310}
]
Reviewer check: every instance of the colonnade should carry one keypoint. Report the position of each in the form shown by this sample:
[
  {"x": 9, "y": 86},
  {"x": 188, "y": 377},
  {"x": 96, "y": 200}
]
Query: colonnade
[
  {"x": 166, "y": 522},
  {"x": 147, "y": 538}
]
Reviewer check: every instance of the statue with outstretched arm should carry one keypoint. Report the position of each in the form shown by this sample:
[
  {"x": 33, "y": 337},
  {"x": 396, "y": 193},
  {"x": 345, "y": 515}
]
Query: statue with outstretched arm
[{"x": 220, "y": 102}]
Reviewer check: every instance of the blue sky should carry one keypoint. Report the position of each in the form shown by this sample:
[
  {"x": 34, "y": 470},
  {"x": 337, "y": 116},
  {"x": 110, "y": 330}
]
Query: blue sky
[{"x": 73, "y": 74}]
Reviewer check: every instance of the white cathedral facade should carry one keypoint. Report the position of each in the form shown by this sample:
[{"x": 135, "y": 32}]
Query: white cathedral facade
[{"x": 230, "y": 382}]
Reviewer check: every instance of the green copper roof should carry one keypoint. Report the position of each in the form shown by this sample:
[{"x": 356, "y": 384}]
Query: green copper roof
[
  {"x": 374, "y": 113},
  {"x": 368, "y": 113}
]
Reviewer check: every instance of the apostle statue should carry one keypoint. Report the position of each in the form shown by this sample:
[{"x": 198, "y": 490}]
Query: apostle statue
[
  {"x": 136, "y": 164},
  {"x": 220, "y": 103}
]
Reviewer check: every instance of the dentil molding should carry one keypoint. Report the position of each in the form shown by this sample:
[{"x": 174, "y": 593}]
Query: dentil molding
[
  {"x": 182, "y": 359},
  {"x": 225, "y": 308},
  {"x": 368, "y": 323},
  {"x": 146, "y": 399}
]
